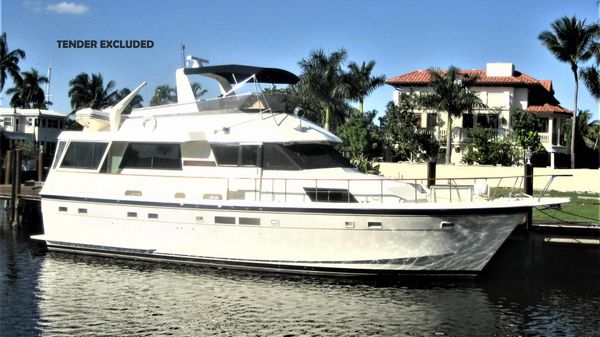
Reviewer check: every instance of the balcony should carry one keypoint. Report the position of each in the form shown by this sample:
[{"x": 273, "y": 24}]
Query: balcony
[{"x": 459, "y": 135}]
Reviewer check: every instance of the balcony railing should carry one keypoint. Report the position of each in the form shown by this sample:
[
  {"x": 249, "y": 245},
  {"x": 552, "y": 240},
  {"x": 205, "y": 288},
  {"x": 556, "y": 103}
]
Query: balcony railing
[{"x": 459, "y": 135}]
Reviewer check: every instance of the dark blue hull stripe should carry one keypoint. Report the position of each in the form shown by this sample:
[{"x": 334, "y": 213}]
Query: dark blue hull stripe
[{"x": 332, "y": 210}]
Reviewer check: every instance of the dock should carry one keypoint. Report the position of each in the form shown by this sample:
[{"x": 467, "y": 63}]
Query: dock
[{"x": 28, "y": 191}]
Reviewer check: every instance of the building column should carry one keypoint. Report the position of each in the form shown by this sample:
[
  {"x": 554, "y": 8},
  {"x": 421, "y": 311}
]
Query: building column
[{"x": 552, "y": 160}]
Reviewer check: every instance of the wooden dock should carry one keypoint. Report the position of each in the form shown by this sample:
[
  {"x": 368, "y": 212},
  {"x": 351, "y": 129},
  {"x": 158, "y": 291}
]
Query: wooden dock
[{"x": 27, "y": 191}]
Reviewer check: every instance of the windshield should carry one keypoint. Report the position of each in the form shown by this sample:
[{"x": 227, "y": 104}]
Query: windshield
[{"x": 302, "y": 157}]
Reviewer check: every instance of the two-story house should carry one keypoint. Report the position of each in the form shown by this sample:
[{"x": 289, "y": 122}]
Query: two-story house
[
  {"x": 36, "y": 126},
  {"x": 501, "y": 88}
]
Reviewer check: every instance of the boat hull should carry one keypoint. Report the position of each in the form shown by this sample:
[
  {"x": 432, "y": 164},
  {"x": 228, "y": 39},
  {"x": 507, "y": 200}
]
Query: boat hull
[{"x": 334, "y": 241}]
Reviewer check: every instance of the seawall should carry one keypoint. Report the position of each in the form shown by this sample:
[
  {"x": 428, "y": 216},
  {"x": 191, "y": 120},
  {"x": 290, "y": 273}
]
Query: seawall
[{"x": 583, "y": 180}]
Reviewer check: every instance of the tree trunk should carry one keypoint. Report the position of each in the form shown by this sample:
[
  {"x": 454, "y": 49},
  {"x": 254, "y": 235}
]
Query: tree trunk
[
  {"x": 327, "y": 118},
  {"x": 449, "y": 141},
  {"x": 574, "y": 121}
]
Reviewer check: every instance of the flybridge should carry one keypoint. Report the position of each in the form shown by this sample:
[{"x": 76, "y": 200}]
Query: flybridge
[{"x": 230, "y": 78}]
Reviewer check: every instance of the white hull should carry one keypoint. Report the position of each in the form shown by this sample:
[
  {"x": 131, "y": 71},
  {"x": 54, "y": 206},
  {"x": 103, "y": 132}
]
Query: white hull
[{"x": 287, "y": 239}]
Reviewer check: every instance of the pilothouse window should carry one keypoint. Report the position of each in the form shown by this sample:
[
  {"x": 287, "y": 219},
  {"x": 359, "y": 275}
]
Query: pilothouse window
[
  {"x": 160, "y": 156},
  {"x": 83, "y": 155},
  {"x": 302, "y": 157},
  {"x": 236, "y": 155}
]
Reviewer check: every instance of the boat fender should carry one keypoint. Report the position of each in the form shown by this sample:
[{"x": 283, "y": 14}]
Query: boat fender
[{"x": 149, "y": 123}]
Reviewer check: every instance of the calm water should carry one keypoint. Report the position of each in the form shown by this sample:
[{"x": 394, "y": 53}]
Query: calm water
[{"x": 531, "y": 288}]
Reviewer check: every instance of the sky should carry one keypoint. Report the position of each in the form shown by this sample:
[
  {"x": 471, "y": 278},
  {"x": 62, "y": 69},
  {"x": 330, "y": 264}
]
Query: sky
[{"x": 399, "y": 35}]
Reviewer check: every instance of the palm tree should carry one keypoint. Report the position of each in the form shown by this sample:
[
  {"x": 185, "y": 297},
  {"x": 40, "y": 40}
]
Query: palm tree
[
  {"x": 9, "y": 62},
  {"x": 163, "y": 94},
  {"x": 323, "y": 81},
  {"x": 588, "y": 129},
  {"x": 450, "y": 93},
  {"x": 135, "y": 103},
  {"x": 591, "y": 74},
  {"x": 91, "y": 92},
  {"x": 571, "y": 41},
  {"x": 361, "y": 82},
  {"x": 27, "y": 92},
  {"x": 197, "y": 90}
]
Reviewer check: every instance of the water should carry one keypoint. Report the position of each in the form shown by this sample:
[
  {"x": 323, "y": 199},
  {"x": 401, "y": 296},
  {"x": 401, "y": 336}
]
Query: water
[{"x": 531, "y": 288}]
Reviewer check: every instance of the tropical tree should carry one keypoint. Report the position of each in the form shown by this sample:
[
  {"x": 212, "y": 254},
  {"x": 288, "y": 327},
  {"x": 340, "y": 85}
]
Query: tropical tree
[
  {"x": 90, "y": 92},
  {"x": 323, "y": 82},
  {"x": 27, "y": 92},
  {"x": 197, "y": 90},
  {"x": 361, "y": 82},
  {"x": 163, "y": 94},
  {"x": 403, "y": 138},
  {"x": 360, "y": 134},
  {"x": 591, "y": 74},
  {"x": 571, "y": 41},
  {"x": 135, "y": 103},
  {"x": 9, "y": 62},
  {"x": 526, "y": 128},
  {"x": 450, "y": 93}
]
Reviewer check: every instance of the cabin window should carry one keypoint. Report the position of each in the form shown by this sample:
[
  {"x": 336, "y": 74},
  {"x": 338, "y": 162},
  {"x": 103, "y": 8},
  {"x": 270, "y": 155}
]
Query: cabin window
[
  {"x": 61, "y": 148},
  {"x": 7, "y": 121},
  {"x": 276, "y": 158},
  {"x": 329, "y": 195},
  {"x": 226, "y": 155},
  {"x": 302, "y": 157},
  {"x": 83, "y": 155},
  {"x": 162, "y": 156},
  {"x": 236, "y": 155}
]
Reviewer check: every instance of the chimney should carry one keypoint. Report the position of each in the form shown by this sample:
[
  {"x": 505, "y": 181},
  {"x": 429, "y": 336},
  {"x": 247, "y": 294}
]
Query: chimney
[{"x": 500, "y": 69}]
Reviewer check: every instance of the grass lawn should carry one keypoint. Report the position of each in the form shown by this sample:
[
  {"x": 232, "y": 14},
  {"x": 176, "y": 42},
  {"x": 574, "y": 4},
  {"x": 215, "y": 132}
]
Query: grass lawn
[{"x": 584, "y": 208}]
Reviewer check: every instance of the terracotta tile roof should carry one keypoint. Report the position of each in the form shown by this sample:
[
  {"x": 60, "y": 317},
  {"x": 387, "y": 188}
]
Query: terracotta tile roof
[
  {"x": 548, "y": 108},
  {"x": 547, "y": 84},
  {"x": 422, "y": 77}
]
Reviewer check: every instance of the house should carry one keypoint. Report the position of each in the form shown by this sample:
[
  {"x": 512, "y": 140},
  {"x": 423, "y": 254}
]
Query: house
[
  {"x": 501, "y": 88},
  {"x": 36, "y": 126}
]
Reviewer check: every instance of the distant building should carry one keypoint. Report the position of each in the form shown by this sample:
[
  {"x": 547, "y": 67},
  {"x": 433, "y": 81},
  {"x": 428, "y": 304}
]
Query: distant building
[
  {"x": 501, "y": 88},
  {"x": 36, "y": 126}
]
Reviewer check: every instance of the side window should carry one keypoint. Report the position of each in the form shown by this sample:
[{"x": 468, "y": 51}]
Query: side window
[
  {"x": 226, "y": 155},
  {"x": 59, "y": 151},
  {"x": 152, "y": 156},
  {"x": 249, "y": 155},
  {"x": 83, "y": 155},
  {"x": 275, "y": 158},
  {"x": 236, "y": 155}
]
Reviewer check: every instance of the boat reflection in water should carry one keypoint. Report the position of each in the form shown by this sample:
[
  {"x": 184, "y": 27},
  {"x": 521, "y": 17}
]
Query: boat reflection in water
[
  {"x": 531, "y": 287},
  {"x": 241, "y": 181}
]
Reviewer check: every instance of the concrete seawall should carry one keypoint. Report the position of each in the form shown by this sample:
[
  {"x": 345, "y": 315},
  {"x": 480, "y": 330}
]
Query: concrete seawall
[{"x": 583, "y": 180}]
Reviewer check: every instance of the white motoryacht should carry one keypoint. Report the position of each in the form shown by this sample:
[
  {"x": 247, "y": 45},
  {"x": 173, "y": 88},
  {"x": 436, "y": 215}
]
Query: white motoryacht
[{"x": 241, "y": 181}]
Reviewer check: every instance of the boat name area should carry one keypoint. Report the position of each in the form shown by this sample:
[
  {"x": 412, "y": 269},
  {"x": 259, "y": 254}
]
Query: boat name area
[{"x": 105, "y": 44}]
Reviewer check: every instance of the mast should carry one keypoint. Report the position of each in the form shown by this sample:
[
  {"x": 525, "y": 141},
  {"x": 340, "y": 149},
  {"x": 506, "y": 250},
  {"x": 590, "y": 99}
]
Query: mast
[{"x": 48, "y": 84}]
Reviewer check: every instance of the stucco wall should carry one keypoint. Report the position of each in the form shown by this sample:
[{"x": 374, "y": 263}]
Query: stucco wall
[{"x": 583, "y": 180}]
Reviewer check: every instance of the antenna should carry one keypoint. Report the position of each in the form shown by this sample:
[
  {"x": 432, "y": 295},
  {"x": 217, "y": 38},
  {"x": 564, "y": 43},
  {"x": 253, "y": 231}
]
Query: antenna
[
  {"x": 48, "y": 84},
  {"x": 182, "y": 55}
]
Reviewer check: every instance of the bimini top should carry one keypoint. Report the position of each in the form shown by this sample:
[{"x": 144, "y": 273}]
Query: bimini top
[{"x": 234, "y": 73}]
